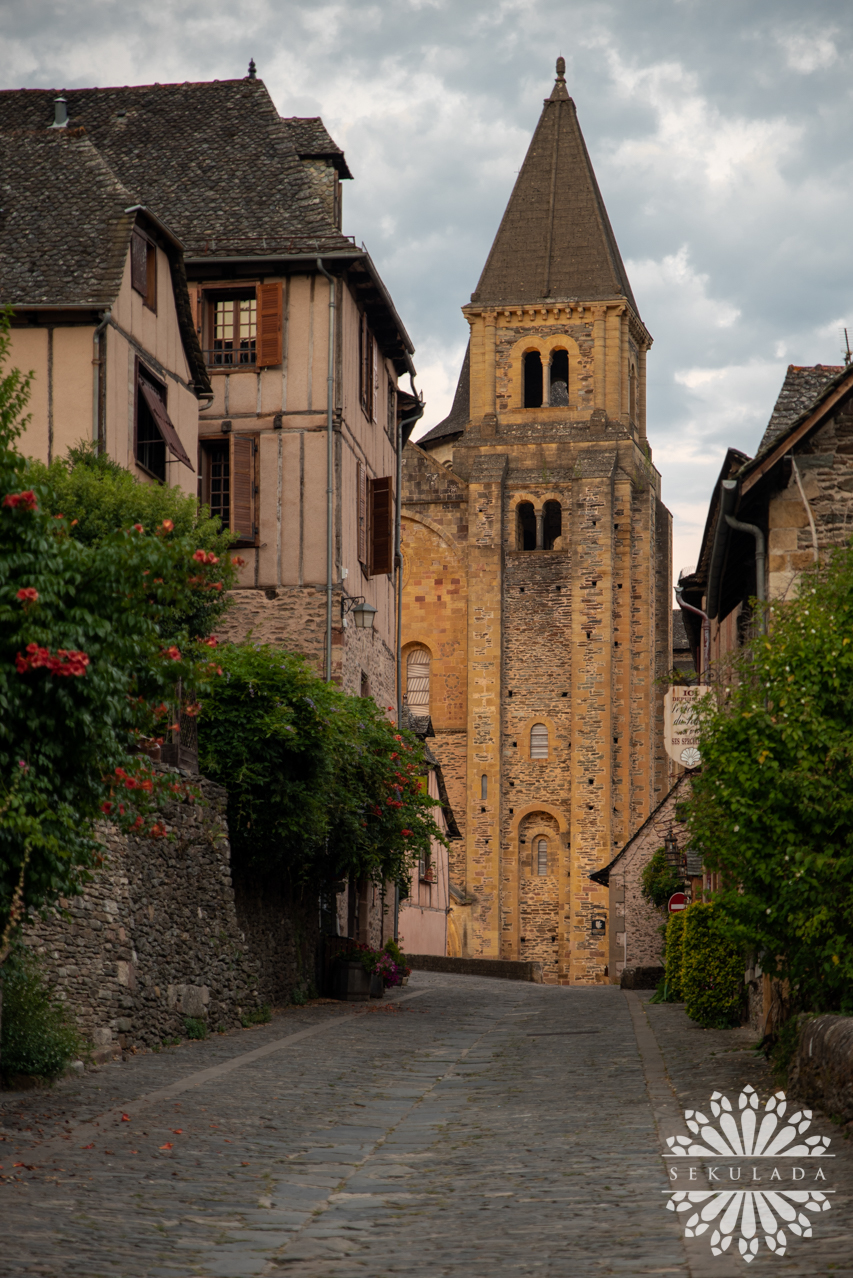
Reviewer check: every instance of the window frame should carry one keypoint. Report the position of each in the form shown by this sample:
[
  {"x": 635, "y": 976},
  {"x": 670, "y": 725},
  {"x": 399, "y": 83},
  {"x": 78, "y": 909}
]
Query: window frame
[
  {"x": 142, "y": 372},
  {"x": 139, "y": 241},
  {"x": 207, "y": 444}
]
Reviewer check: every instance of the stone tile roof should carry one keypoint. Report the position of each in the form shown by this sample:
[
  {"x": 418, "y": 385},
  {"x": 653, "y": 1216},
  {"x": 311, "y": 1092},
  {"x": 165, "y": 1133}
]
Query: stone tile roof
[
  {"x": 680, "y": 642},
  {"x": 214, "y": 159},
  {"x": 64, "y": 232},
  {"x": 555, "y": 239},
  {"x": 460, "y": 412},
  {"x": 802, "y": 385},
  {"x": 310, "y": 140}
]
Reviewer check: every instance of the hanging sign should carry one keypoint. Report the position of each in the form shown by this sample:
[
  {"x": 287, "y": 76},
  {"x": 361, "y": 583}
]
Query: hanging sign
[{"x": 681, "y": 724}]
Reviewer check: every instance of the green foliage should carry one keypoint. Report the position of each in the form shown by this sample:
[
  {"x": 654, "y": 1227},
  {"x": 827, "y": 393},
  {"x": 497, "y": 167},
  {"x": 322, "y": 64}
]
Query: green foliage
[
  {"x": 320, "y": 785},
  {"x": 659, "y": 880},
  {"x": 88, "y": 664},
  {"x": 773, "y": 806},
  {"x": 674, "y": 955},
  {"x": 37, "y": 1037},
  {"x": 256, "y": 1016},
  {"x": 299, "y": 996},
  {"x": 194, "y": 1027},
  {"x": 98, "y": 498},
  {"x": 391, "y": 947},
  {"x": 711, "y": 969}
]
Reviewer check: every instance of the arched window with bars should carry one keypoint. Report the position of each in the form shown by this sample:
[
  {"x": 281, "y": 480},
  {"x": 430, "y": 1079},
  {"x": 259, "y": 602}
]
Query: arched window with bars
[
  {"x": 541, "y": 856},
  {"x": 539, "y": 741},
  {"x": 417, "y": 681}
]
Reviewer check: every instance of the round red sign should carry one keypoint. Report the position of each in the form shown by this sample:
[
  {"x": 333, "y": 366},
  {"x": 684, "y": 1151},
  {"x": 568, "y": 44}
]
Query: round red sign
[{"x": 678, "y": 901}]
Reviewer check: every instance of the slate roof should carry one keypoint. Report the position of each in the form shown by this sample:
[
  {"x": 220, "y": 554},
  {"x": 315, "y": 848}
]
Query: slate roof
[
  {"x": 214, "y": 159},
  {"x": 680, "y": 642},
  {"x": 460, "y": 412},
  {"x": 555, "y": 239},
  {"x": 310, "y": 139},
  {"x": 64, "y": 231},
  {"x": 800, "y": 388}
]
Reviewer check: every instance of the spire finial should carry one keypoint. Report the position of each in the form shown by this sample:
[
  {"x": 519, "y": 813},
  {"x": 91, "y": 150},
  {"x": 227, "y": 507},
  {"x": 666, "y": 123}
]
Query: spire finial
[
  {"x": 252, "y": 69},
  {"x": 561, "y": 68}
]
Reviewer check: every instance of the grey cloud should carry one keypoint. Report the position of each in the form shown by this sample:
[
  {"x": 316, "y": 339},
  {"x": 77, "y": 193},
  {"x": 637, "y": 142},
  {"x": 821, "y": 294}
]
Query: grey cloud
[{"x": 719, "y": 133}]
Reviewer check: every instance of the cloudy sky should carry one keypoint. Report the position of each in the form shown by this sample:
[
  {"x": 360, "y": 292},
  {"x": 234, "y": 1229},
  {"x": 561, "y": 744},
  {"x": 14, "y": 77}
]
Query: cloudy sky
[{"x": 719, "y": 131}]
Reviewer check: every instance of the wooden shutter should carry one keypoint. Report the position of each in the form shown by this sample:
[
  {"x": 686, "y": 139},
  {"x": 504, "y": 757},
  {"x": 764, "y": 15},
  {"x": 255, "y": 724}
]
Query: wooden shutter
[
  {"x": 381, "y": 527},
  {"x": 151, "y": 277},
  {"x": 243, "y": 486},
  {"x": 362, "y": 513},
  {"x": 363, "y": 373},
  {"x": 269, "y": 325},
  {"x": 539, "y": 741},
  {"x": 195, "y": 309},
  {"x": 139, "y": 262}
]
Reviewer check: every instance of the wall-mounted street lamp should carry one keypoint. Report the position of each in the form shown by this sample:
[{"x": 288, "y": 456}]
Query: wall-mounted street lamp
[{"x": 362, "y": 612}]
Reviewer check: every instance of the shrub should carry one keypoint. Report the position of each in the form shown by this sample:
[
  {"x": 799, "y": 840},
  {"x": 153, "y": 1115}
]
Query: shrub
[
  {"x": 711, "y": 970},
  {"x": 659, "y": 880},
  {"x": 674, "y": 957},
  {"x": 195, "y": 1028},
  {"x": 391, "y": 947},
  {"x": 37, "y": 1037}
]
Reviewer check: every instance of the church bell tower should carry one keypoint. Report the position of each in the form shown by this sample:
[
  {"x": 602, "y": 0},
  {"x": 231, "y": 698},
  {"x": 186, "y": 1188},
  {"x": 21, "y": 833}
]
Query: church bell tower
[{"x": 538, "y": 496}]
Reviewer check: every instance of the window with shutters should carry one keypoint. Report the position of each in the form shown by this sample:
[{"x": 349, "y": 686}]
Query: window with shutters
[
  {"x": 363, "y": 529},
  {"x": 143, "y": 268},
  {"x": 380, "y": 526},
  {"x": 417, "y": 681},
  {"x": 228, "y": 483},
  {"x": 367, "y": 369},
  {"x": 542, "y": 856},
  {"x": 539, "y": 741},
  {"x": 242, "y": 327},
  {"x": 156, "y": 443}
]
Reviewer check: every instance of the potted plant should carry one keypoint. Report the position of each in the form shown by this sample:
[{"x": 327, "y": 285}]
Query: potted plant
[{"x": 354, "y": 970}]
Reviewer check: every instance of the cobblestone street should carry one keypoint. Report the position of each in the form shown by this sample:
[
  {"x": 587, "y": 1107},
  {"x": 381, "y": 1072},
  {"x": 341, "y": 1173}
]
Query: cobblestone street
[{"x": 464, "y": 1126}]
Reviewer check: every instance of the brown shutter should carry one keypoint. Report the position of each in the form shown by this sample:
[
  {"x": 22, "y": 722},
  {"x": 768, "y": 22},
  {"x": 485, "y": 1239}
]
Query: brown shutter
[
  {"x": 151, "y": 278},
  {"x": 243, "y": 486},
  {"x": 269, "y": 325},
  {"x": 139, "y": 263},
  {"x": 381, "y": 527},
  {"x": 363, "y": 340},
  {"x": 362, "y": 512}
]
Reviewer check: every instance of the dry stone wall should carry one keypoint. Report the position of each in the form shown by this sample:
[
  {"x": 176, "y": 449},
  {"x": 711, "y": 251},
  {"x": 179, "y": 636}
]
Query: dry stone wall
[{"x": 160, "y": 935}]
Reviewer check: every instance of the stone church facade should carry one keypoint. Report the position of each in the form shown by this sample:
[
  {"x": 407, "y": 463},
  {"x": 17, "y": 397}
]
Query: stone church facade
[{"x": 536, "y": 560}]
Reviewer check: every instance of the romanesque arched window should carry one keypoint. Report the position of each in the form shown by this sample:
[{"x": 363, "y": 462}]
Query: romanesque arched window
[
  {"x": 542, "y": 856},
  {"x": 539, "y": 741},
  {"x": 533, "y": 380},
  {"x": 484, "y": 788},
  {"x": 525, "y": 537},
  {"x": 559, "y": 392},
  {"x": 553, "y": 525},
  {"x": 417, "y": 681}
]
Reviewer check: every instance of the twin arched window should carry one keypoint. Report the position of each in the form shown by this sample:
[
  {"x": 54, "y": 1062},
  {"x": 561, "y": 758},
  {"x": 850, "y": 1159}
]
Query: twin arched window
[
  {"x": 539, "y": 741},
  {"x": 538, "y": 530},
  {"x": 546, "y": 385},
  {"x": 417, "y": 681}
]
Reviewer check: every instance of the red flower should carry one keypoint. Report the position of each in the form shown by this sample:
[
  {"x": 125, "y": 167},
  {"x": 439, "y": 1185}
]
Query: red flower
[
  {"x": 212, "y": 642},
  {"x": 27, "y": 500},
  {"x": 173, "y": 653},
  {"x": 214, "y": 585},
  {"x": 167, "y": 525},
  {"x": 192, "y": 710},
  {"x": 62, "y": 663},
  {"x": 200, "y": 556},
  {"x": 27, "y": 595},
  {"x": 157, "y": 831},
  {"x": 406, "y": 833},
  {"x": 238, "y": 561},
  {"x": 106, "y": 807}
]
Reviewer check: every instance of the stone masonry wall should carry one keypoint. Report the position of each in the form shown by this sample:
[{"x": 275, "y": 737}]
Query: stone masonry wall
[{"x": 157, "y": 936}]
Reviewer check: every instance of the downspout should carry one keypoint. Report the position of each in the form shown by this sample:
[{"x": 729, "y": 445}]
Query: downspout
[
  {"x": 706, "y": 632},
  {"x": 99, "y": 359},
  {"x": 402, "y": 439},
  {"x": 330, "y": 462},
  {"x": 760, "y": 591}
]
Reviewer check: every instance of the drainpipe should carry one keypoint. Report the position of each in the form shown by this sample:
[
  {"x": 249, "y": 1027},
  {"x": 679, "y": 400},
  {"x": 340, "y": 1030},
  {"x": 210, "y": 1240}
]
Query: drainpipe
[
  {"x": 706, "y": 632},
  {"x": 99, "y": 359},
  {"x": 760, "y": 591},
  {"x": 330, "y": 462},
  {"x": 402, "y": 438}
]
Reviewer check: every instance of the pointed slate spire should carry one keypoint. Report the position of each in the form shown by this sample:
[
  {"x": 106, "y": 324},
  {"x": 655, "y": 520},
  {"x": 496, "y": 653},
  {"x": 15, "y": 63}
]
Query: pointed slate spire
[{"x": 555, "y": 240}]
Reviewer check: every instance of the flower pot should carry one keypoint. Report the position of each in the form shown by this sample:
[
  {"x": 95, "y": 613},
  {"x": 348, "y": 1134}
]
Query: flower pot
[
  {"x": 352, "y": 982},
  {"x": 404, "y": 980},
  {"x": 377, "y": 987}
]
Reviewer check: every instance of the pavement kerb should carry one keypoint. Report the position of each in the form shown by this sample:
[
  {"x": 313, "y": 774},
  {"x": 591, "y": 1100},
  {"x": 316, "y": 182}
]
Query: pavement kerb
[
  {"x": 669, "y": 1121},
  {"x": 96, "y": 1127}
]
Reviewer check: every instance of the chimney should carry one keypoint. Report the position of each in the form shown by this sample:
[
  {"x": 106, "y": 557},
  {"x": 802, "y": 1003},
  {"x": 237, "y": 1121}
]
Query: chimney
[{"x": 60, "y": 113}]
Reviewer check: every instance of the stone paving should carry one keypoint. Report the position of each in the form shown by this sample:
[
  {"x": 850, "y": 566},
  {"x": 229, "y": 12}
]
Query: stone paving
[{"x": 464, "y": 1126}]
